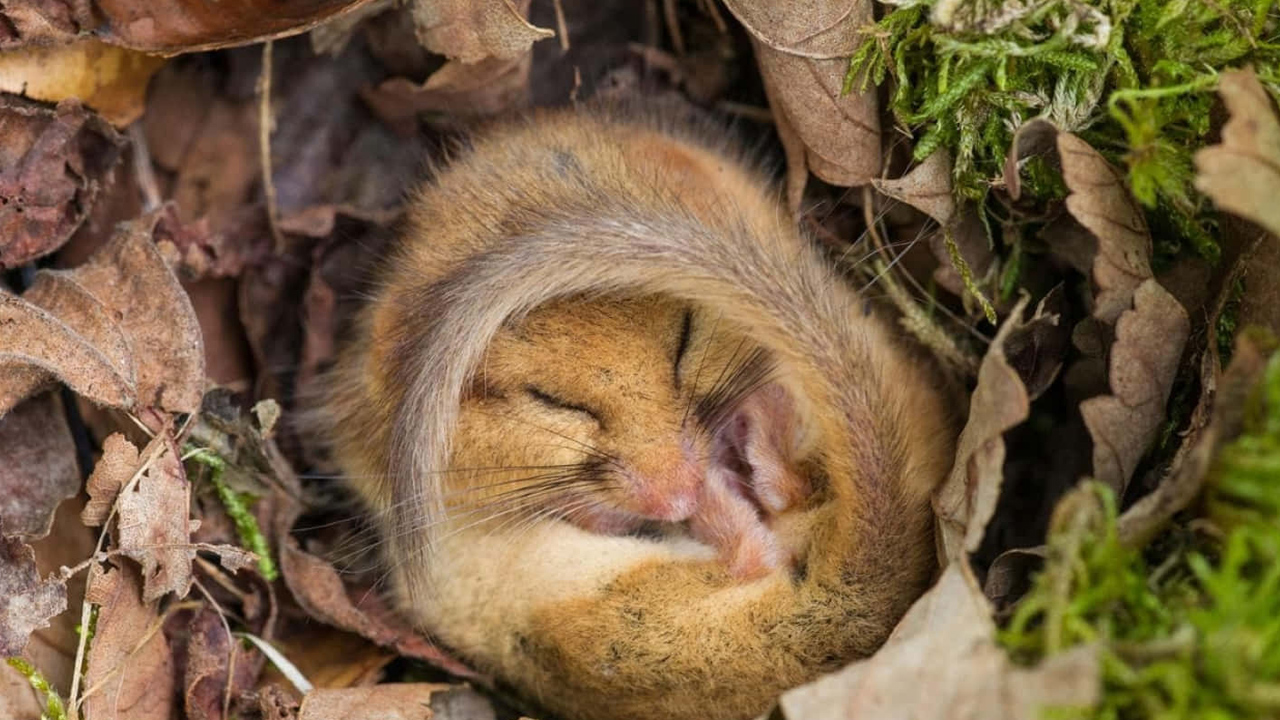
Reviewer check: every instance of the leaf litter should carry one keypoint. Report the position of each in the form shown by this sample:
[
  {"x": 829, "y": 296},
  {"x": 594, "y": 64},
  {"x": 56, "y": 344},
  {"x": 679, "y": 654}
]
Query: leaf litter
[{"x": 157, "y": 267}]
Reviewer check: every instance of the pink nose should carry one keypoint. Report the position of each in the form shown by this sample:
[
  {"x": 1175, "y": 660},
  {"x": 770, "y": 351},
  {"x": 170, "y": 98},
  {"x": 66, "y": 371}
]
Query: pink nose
[{"x": 670, "y": 494}]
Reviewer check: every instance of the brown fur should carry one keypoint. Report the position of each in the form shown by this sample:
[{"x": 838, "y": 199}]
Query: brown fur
[{"x": 606, "y": 626}]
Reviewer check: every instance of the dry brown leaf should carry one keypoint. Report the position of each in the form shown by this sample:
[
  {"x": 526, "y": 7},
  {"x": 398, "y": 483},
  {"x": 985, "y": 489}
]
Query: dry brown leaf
[
  {"x": 276, "y": 703},
  {"x": 318, "y": 588},
  {"x": 1217, "y": 419},
  {"x": 37, "y": 466},
  {"x": 331, "y": 658},
  {"x": 487, "y": 87},
  {"x": 398, "y": 701},
  {"x": 129, "y": 673},
  {"x": 26, "y": 601},
  {"x": 164, "y": 26},
  {"x": 1242, "y": 173},
  {"x": 129, "y": 275},
  {"x": 1009, "y": 576},
  {"x": 1143, "y": 364},
  {"x": 155, "y": 526},
  {"x": 926, "y": 188},
  {"x": 967, "y": 499},
  {"x": 109, "y": 79},
  {"x": 942, "y": 662},
  {"x": 209, "y": 663},
  {"x": 119, "y": 330},
  {"x": 38, "y": 348},
  {"x": 472, "y": 30},
  {"x": 53, "y": 164},
  {"x": 1101, "y": 202},
  {"x": 115, "y": 467},
  {"x": 803, "y": 54}
]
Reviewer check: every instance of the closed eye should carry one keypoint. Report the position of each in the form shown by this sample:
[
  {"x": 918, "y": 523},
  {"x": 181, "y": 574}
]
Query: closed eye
[
  {"x": 556, "y": 403},
  {"x": 686, "y": 331}
]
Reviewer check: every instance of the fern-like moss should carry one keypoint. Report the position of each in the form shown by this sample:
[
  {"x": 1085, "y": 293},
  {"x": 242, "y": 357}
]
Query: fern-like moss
[
  {"x": 1134, "y": 77},
  {"x": 1188, "y": 628}
]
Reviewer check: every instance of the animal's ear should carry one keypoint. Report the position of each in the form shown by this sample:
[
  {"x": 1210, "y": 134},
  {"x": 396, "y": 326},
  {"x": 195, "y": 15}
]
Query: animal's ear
[{"x": 765, "y": 437}]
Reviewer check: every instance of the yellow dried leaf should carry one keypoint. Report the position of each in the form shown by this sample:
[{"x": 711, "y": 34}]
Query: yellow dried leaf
[{"x": 111, "y": 80}]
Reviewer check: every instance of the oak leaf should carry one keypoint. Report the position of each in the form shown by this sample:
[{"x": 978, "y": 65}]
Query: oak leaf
[
  {"x": 1242, "y": 173},
  {"x": 1102, "y": 203},
  {"x": 1143, "y": 364}
]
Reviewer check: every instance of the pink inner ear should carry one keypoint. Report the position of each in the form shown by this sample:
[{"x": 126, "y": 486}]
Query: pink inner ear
[
  {"x": 752, "y": 476},
  {"x": 759, "y": 445}
]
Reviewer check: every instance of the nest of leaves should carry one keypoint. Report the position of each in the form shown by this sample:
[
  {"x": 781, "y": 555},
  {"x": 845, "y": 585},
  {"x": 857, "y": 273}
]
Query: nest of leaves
[{"x": 1070, "y": 204}]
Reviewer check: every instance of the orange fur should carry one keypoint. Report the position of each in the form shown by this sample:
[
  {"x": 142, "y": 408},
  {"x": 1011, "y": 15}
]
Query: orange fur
[{"x": 577, "y": 210}]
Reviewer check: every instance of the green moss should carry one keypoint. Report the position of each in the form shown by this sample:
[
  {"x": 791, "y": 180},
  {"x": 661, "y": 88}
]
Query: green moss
[
  {"x": 237, "y": 507},
  {"x": 1188, "y": 628},
  {"x": 53, "y": 709},
  {"x": 1134, "y": 77}
]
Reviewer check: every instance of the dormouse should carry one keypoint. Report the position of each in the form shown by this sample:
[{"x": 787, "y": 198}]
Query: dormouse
[{"x": 633, "y": 446}]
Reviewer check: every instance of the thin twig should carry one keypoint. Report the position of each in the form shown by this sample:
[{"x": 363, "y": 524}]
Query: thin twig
[
  {"x": 142, "y": 168},
  {"x": 562, "y": 27},
  {"x": 709, "y": 7},
  {"x": 265, "y": 125},
  {"x": 672, "y": 18}
]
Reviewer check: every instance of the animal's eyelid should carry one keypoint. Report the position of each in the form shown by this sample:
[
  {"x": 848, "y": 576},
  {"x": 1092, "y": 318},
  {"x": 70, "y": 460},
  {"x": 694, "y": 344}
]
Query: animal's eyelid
[
  {"x": 560, "y": 404},
  {"x": 686, "y": 332}
]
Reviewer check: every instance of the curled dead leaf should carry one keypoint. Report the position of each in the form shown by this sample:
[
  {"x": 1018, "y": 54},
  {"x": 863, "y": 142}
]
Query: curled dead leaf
[
  {"x": 1241, "y": 174},
  {"x": 38, "y": 347},
  {"x": 118, "y": 330},
  {"x": 1102, "y": 203},
  {"x": 486, "y": 87},
  {"x": 967, "y": 499},
  {"x": 1143, "y": 364},
  {"x": 1217, "y": 419},
  {"x": 26, "y": 601},
  {"x": 37, "y": 466},
  {"x": 318, "y": 588},
  {"x": 946, "y": 643},
  {"x": 53, "y": 165},
  {"x": 129, "y": 275},
  {"x": 927, "y": 188},
  {"x": 472, "y": 30},
  {"x": 163, "y": 26},
  {"x": 111, "y": 80},
  {"x": 1035, "y": 138},
  {"x": 803, "y": 56}
]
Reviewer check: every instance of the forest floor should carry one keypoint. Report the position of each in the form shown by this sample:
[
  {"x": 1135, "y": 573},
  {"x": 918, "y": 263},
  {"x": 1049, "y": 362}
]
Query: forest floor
[{"x": 1071, "y": 204}]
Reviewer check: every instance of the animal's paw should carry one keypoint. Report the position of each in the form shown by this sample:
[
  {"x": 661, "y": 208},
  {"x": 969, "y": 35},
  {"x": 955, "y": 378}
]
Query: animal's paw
[{"x": 731, "y": 523}]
